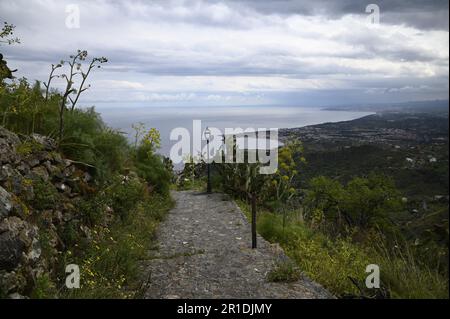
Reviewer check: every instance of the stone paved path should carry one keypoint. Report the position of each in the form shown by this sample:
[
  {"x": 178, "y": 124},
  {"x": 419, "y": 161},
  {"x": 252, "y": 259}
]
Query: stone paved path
[{"x": 205, "y": 252}]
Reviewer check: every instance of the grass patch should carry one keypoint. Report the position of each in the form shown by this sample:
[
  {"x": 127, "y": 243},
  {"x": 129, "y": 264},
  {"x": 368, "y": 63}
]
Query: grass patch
[
  {"x": 28, "y": 147},
  {"x": 110, "y": 265},
  {"x": 44, "y": 288},
  {"x": 331, "y": 261},
  {"x": 198, "y": 184},
  {"x": 286, "y": 271}
]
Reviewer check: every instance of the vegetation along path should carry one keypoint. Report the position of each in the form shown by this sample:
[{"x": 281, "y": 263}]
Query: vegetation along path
[{"x": 205, "y": 252}]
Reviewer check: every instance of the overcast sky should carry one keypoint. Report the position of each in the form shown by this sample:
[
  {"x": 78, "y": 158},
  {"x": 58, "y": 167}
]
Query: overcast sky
[{"x": 241, "y": 52}]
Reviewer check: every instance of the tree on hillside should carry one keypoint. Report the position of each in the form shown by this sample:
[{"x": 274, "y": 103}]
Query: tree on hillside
[
  {"x": 6, "y": 36},
  {"x": 150, "y": 165},
  {"x": 364, "y": 203},
  {"x": 290, "y": 157}
]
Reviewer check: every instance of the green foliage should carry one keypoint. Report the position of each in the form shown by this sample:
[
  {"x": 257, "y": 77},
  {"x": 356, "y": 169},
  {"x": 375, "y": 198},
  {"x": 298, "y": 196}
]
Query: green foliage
[
  {"x": 93, "y": 208},
  {"x": 122, "y": 220},
  {"x": 70, "y": 234},
  {"x": 111, "y": 150},
  {"x": 193, "y": 175},
  {"x": 123, "y": 194},
  {"x": 363, "y": 203},
  {"x": 188, "y": 184},
  {"x": 110, "y": 265},
  {"x": 44, "y": 242},
  {"x": 286, "y": 271},
  {"x": 345, "y": 163},
  {"x": 152, "y": 169},
  {"x": 28, "y": 147},
  {"x": 88, "y": 140},
  {"x": 46, "y": 196},
  {"x": 116, "y": 219},
  {"x": 151, "y": 140},
  {"x": 151, "y": 166},
  {"x": 330, "y": 261},
  {"x": 6, "y": 34},
  {"x": 24, "y": 110},
  {"x": 290, "y": 158},
  {"x": 6, "y": 37},
  {"x": 430, "y": 235},
  {"x": 408, "y": 277},
  {"x": 242, "y": 179},
  {"x": 44, "y": 288}
]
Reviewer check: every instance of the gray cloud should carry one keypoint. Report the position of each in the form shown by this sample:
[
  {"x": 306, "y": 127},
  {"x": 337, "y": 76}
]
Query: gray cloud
[
  {"x": 432, "y": 14},
  {"x": 209, "y": 51}
]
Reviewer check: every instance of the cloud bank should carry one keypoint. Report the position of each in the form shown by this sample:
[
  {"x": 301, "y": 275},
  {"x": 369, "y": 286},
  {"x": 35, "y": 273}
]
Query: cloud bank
[{"x": 241, "y": 52}]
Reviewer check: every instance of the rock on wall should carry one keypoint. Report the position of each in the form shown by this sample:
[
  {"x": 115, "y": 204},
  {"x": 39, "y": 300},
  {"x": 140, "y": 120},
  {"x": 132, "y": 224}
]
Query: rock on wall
[{"x": 39, "y": 191}]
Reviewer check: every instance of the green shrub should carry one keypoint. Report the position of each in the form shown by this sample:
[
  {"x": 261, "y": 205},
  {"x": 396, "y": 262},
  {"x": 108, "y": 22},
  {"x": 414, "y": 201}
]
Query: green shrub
[
  {"x": 70, "y": 234},
  {"x": 93, "y": 209},
  {"x": 111, "y": 148},
  {"x": 151, "y": 167},
  {"x": 406, "y": 277},
  {"x": 110, "y": 266},
  {"x": 46, "y": 196},
  {"x": 28, "y": 147},
  {"x": 125, "y": 193},
  {"x": 44, "y": 288},
  {"x": 24, "y": 110},
  {"x": 332, "y": 261},
  {"x": 284, "y": 272},
  {"x": 362, "y": 204}
]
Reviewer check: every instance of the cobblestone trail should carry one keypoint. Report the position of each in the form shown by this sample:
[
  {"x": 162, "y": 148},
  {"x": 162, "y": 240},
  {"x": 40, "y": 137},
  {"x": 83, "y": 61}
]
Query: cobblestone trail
[{"x": 205, "y": 252}]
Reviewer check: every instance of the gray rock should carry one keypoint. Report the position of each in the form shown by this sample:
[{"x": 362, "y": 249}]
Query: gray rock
[
  {"x": 9, "y": 137},
  {"x": 56, "y": 158},
  {"x": 20, "y": 210},
  {"x": 40, "y": 172},
  {"x": 33, "y": 161},
  {"x": 7, "y": 172},
  {"x": 7, "y": 152},
  {"x": 28, "y": 191},
  {"x": 11, "y": 281},
  {"x": 17, "y": 184},
  {"x": 8, "y": 142},
  {"x": 48, "y": 143},
  {"x": 35, "y": 251},
  {"x": 52, "y": 169},
  {"x": 23, "y": 168},
  {"x": 16, "y": 236},
  {"x": 6, "y": 203}
]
